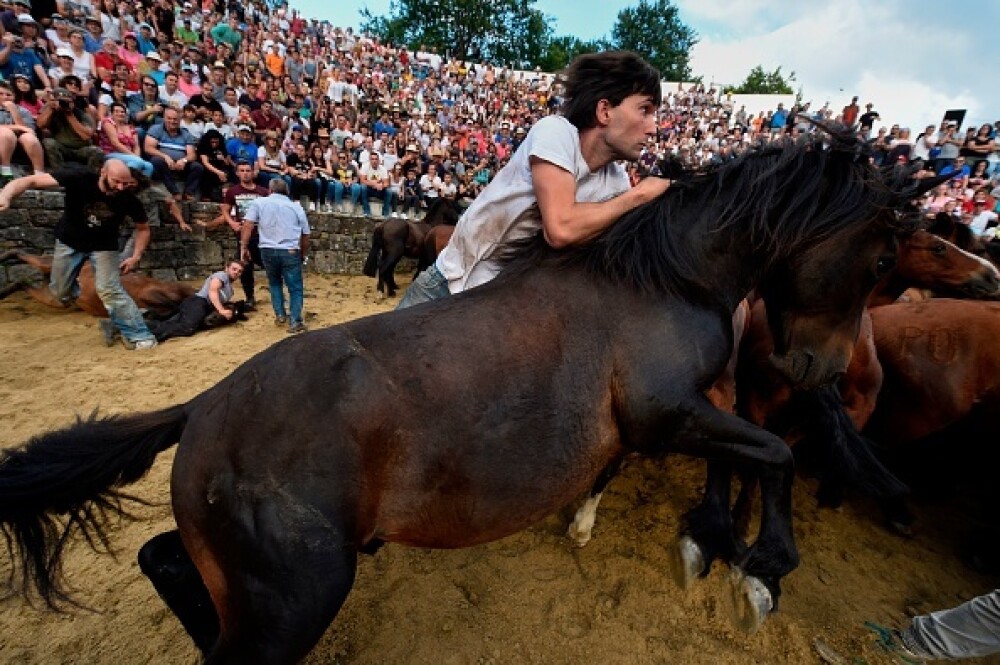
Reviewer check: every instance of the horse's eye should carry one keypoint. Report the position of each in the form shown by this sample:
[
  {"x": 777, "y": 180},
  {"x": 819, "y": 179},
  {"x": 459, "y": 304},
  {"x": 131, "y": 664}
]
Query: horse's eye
[
  {"x": 884, "y": 264},
  {"x": 939, "y": 248}
]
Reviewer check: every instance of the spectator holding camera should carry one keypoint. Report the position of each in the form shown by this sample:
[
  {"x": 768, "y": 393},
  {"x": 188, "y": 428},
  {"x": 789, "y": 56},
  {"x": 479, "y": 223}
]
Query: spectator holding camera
[
  {"x": 15, "y": 58},
  {"x": 70, "y": 128}
]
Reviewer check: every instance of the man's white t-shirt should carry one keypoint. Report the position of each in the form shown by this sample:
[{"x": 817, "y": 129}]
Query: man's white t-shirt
[
  {"x": 374, "y": 173},
  {"x": 508, "y": 208}
]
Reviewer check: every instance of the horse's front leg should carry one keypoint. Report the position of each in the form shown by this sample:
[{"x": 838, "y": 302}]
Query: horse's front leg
[{"x": 729, "y": 440}]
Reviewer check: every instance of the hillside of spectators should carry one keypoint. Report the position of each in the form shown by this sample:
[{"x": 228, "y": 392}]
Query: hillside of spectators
[{"x": 185, "y": 92}]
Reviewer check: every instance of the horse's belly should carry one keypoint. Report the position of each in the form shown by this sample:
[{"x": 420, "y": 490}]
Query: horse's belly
[{"x": 464, "y": 508}]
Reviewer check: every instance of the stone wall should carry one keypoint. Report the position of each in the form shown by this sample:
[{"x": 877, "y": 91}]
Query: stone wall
[{"x": 338, "y": 244}]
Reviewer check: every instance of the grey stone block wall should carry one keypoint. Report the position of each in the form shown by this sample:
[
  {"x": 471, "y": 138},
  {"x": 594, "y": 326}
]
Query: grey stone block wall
[{"x": 339, "y": 245}]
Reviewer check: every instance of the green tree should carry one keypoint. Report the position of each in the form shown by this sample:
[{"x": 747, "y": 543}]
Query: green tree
[
  {"x": 654, "y": 30},
  {"x": 759, "y": 82},
  {"x": 500, "y": 31},
  {"x": 560, "y": 51}
]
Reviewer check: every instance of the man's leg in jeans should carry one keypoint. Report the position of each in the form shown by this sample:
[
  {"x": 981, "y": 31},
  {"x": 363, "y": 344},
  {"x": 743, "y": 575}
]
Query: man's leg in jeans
[
  {"x": 66, "y": 264},
  {"x": 429, "y": 285},
  {"x": 124, "y": 313},
  {"x": 292, "y": 274},
  {"x": 972, "y": 629},
  {"x": 366, "y": 205},
  {"x": 273, "y": 268}
]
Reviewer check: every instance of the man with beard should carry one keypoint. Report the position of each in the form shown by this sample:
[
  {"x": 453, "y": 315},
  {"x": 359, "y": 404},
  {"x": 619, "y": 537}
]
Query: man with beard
[{"x": 97, "y": 205}]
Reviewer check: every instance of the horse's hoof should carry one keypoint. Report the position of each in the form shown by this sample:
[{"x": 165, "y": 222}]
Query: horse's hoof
[
  {"x": 579, "y": 536},
  {"x": 750, "y": 601},
  {"x": 686, "y": 561}
]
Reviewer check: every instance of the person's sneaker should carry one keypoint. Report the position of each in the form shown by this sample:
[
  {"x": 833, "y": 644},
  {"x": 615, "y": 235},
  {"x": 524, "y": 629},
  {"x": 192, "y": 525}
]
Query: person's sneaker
[
  {"x": 312, "y": 207},
  {"x": 403, "y": 215},
  {"x": 280, "y": 320},
  {"x": 296, "y": 328},
  {"x": 139, "y": 345},
  {"x": 108, "y": 332},
  {"x": 250, "y": 305}
]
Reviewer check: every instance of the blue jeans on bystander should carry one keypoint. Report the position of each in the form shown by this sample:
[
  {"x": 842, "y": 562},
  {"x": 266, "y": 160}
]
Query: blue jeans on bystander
[
  {"x": 284, "y": 267},
  {"x": 125, "y": 315}
]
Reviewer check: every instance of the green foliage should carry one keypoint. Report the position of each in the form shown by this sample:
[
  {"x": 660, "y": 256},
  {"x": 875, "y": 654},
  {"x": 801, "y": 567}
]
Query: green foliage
[
  {"x": 513, "y": 32},
  {"x": 560, "y": 51},
  {"x": 759, "y": 82},
  {"x": 654, "y": 30},
  {"x": 500, "y": 31}
]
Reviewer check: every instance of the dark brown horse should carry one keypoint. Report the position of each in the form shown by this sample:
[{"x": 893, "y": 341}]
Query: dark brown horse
[
  {"x": 923, "y": 261},
  {"x": 320, "y": 447},
  {"x": 395, "y": 238},
  {"x": 160, "y": 297}
]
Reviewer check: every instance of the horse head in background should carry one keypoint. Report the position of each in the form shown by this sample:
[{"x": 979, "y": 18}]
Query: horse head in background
[
  {"x": 393, "y": 239},
  {"x": 566, "y": 361}
]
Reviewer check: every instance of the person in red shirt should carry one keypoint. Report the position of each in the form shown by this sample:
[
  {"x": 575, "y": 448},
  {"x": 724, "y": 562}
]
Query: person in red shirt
[
  {"x": 264, "y": 120},
  {"x": 850, "y": 113}
]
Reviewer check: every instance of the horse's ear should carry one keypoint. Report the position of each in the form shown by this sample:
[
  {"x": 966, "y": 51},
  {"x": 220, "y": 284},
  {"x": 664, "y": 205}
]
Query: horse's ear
[
  {"x": 669, "y": 168},
  {"x": 925, "y": 185}
]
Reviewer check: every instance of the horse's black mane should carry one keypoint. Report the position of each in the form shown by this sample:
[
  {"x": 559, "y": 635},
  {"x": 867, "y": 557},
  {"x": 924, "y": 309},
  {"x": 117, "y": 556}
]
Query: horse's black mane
[{"x": 778, "y": 194}]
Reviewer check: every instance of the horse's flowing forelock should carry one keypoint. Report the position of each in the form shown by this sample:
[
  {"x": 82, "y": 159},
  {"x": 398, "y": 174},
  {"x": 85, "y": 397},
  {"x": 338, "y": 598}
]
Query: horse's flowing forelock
[{"x": 770, "y": 199}]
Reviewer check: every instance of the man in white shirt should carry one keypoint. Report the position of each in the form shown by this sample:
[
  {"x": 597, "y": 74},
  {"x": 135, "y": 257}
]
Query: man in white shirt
[
  {"x": 375, "y": 183},
  {"x": 564, "y": 179},
  {"x": 170, "y": 91},
  {"x": 430, "y": 185}
]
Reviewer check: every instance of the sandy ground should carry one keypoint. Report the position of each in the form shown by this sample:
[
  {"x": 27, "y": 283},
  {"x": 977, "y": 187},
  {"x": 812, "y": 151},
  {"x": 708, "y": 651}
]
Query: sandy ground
[{"x": 531, "y": 598}]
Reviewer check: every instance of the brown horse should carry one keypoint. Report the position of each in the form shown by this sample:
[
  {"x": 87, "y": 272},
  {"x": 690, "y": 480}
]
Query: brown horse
[
  {"x": 160, "y": 297},
  {"x": 395, "y": 238},
  {"x": 923, "y": 261},
  {"x": 941, "y": 364},
  {"x": 434, "y": 243},
  {"x": 320, "y": 447}
]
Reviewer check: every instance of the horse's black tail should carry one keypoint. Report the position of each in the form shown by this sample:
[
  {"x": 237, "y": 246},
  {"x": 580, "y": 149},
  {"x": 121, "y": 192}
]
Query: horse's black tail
[
  {"x": 846, "y": 457},
  {"x": 371, "y": 263},
  {"x": 67, "y": 481}
]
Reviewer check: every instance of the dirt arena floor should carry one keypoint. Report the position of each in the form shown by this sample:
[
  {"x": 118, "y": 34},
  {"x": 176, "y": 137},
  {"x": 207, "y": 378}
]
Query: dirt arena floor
[{"x": 531, "y": 598}]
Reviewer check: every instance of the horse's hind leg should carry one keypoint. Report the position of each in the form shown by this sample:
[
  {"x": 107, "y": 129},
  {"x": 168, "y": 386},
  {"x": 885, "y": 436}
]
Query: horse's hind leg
[
  {"x": 581, "y": 530},
  {"x": 284, "y": 584},
  {"x": 169, "y": 567}
]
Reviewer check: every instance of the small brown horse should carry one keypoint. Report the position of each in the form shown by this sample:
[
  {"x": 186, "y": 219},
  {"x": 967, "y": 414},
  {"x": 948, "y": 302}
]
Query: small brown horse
[
  {"x": 160, "y": 297},
  {"x": 393, "y": 239},
  {"x": 320, "y": 447},
  {"x": 434, "y": 243}
]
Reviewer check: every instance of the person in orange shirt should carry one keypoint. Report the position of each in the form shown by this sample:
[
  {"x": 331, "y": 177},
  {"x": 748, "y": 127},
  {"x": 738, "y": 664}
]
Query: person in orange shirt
[{"x": 274, "y": 62}]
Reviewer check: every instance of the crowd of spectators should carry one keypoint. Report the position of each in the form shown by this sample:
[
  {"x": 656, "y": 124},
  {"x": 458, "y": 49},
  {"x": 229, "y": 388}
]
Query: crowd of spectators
[{"x": 185, "y": 92}]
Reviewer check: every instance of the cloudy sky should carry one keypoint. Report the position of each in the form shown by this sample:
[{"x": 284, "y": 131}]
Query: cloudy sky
[{"x": 912, "y": 59}]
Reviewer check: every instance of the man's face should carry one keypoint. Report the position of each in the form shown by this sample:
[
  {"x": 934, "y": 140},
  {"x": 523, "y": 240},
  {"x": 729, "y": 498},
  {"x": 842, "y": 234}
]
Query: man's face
[
  {"x": 628, "y": 124},
  {"x": 234, "y": 270},
  {"x": 245, "y": 174},
  {"x": 218, "y": 118},
  {"x": 171, "y": 119},
  {"x": 206, "y": 89},
  {"x": 231, "y": 97},
  {"x": 170, "y": 82}
]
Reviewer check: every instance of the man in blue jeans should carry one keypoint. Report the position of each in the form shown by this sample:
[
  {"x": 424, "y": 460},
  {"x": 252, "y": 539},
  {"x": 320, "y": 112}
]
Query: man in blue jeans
[
  {"x": 95, "y": 209},
  {"x": 284, "y": 241}
]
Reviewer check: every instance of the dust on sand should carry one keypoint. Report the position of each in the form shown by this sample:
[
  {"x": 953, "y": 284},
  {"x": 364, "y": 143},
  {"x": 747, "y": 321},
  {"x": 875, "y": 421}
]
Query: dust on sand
[{"x": 530, "y": 598}]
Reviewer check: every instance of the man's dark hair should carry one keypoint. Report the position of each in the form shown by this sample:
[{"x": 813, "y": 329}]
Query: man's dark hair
[{"x": 612, "y": 75}]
